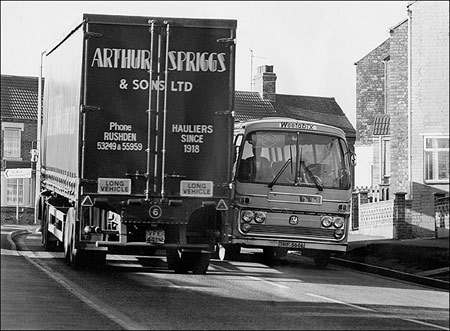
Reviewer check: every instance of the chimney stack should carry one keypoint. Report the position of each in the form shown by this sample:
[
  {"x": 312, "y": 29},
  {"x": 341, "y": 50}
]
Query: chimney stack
[{"x": 264, "y": 82}]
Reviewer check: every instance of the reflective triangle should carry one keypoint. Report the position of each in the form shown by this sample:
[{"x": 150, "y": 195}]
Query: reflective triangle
[
  {"x": 222, "y": 205},
  {"x": 87, "y": 202}
]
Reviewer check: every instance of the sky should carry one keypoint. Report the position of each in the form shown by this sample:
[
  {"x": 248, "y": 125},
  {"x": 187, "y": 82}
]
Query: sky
[{"x": 312, "y": 45}]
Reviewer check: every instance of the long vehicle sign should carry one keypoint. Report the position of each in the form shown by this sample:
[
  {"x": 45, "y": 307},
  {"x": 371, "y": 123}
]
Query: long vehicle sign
[{"x": 196, "y": 188}]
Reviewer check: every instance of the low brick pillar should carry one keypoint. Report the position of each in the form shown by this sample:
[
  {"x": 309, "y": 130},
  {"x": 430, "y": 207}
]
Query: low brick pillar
[
  {"x": 402, "y": 228},
  {"x": 441, "y": 213},
  {"x": 355, "y": 210}
]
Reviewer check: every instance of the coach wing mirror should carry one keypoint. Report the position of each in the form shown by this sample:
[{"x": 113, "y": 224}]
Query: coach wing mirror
[
  {"x": 237, "y": 144},
  {"x": 352, "y": 158}
]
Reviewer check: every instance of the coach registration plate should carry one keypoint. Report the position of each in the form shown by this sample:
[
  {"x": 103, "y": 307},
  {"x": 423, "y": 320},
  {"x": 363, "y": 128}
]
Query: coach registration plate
[{"x": 291, "y": 244}]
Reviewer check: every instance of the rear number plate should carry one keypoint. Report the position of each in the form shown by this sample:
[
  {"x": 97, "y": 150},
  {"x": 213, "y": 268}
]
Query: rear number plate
[
  {"x": 155, "y": 237},
  {"x": 291, "y": 244}
]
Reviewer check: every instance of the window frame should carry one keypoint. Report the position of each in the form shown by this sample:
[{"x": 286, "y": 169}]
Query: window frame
[
  {"x": 435, "y": 159},
  {"x": 16, "y": 128},
  {"x": 11, "y": 191}
]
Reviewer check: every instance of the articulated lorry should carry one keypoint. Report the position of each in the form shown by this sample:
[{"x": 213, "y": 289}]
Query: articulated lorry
[
  {"x": 137, "y": 139},
  {"x": 292, "y": 189}
]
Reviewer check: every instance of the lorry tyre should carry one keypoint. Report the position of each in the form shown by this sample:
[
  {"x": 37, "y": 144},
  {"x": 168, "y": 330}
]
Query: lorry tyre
[
  {"x": 200, "y": 263},
  {"x": 38, "y": 211},
  {"x": 198, "y": 226},
  {"x": 49, "y": 241},
  {"x": 185, "y": 263},
  {"x": 94, "y": 259},
  {"x": 322, "y": 260},
  {"x": 74, "y": 256},
  {"x": 232, "y": 252},
  {"x": 67, "y": 236},
  {"x": 173, "y": 258}
]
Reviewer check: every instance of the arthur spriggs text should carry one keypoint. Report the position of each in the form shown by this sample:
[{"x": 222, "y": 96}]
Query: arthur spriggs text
[{"x": 117, "y": 58}]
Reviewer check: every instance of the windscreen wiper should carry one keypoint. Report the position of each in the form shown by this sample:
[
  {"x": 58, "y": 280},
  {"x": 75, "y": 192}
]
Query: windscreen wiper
[
  {"x": 311, "y": 175},
  {"x": 298, "y": 160},
  {"x": 283, "y": 168}
]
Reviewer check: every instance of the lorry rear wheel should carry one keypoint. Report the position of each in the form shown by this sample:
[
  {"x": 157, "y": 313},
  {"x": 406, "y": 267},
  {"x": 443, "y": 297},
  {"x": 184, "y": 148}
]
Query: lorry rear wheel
[
  {"x": 173, "y": 258},
  {"x": 74, "y": 256},
  {"x": 200, "y": 263},
  {"x": 49, "y": 241},
  {"x": 185, "y": 263},
  {"x": 232, "y": 252},
  {"x": 94, "y": 259}
]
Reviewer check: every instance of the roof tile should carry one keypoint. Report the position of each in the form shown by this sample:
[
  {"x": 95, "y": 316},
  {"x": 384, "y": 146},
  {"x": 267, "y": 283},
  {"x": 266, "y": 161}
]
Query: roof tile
[
  {"x": 19, "y": 97},
  {"x": 250, "y": 105}
]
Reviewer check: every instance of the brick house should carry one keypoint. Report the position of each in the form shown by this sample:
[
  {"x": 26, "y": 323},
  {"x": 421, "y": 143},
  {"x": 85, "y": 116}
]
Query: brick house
[
  {"x": 19, "y": 104},
  {"x": 402, "y": 110}
]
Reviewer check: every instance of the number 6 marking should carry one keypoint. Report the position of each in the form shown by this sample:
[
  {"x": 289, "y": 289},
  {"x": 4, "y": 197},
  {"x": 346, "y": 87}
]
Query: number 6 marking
[{"x": 155, "y": 211}]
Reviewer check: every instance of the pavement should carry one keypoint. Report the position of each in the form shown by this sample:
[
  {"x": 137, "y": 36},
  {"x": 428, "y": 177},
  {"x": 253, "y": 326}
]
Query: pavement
[
  {"x": 358, "y": 240},
  {"x": 420, "y": 260}
]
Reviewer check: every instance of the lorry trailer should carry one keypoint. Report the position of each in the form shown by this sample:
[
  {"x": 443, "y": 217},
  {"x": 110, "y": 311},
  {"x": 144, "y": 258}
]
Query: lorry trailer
[{"x": 137, "y": 139}]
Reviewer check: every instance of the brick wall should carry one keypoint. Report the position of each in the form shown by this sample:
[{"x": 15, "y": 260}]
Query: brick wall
[
  {"x": 429, "y": 98},
  {"x": 389, "y": 219},
  {"x": 370, "y": 91}
]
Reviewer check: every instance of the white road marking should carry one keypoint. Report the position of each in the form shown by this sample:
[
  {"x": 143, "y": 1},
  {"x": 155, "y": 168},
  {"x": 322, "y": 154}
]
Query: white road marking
[
  {"x": 114, "y": 315},
  {"x": 9, "y": 252},
  {"x": 425, "y": 323},
  {"x": 267, "y": 282},
  {"x": 340, "y": 302},
  {"x": 374, "y": 311}
]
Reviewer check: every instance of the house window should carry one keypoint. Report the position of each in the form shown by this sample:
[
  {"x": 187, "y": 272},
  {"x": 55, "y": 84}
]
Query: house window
[
  {"x": 11, "y": 191},
  {"x": 436, "y": 159},
  {"x": 12, "y": 136}
]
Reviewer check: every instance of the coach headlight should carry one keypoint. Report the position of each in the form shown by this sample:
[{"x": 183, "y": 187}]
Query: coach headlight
[
  {"x": 326, "y": 221},
  {"x": 247, "y": 216},
  {"x": 338, "y": 222},
  {"x": 245, "y": 227},
  {"x": 260, "y": 217},
  {"x": 338, "y": 233}
]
